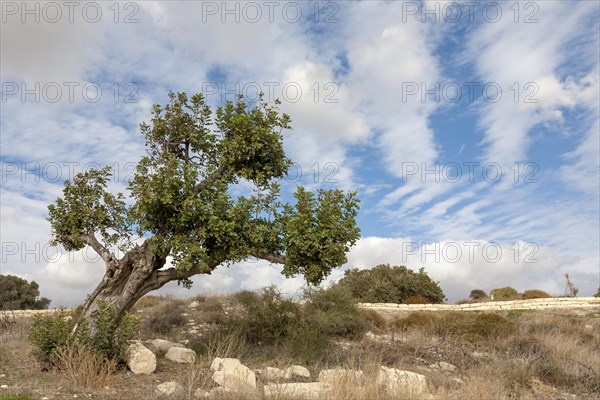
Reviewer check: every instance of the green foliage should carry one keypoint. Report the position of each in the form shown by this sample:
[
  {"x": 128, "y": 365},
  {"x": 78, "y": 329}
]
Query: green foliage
[
  {"x": 477, "y": 294},
  {"x": 183, "y": 205},
  {"x": 534, "y": 294},
  {"x": 303, "y": 331},
  {"x": 51, "y": 333},
  {"x": 505, "y": 293},
  {"x": 597, "y": 293},
  {"x": 18, "y": 294},
  {"x": 390, "y": 284},
  {"x": 334, "y": 312}
]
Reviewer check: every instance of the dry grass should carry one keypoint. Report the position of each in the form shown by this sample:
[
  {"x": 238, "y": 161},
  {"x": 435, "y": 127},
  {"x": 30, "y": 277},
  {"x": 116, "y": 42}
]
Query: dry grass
[{"x": 86, "y": 368}]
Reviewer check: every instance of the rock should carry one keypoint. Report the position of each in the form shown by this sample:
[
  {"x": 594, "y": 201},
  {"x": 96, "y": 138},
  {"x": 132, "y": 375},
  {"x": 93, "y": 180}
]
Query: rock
[
  {"x": 218, "y": 392},
  {"x": 169, "y": 389},
  {"x": 232, "y": 374},
  {"x": 181, "y": 355},
  {"x": 3, "y": 386},
  {"x": 296, "y": 370},
  {"x": 272, "y": 374},
  {"x": 160, "y": 347},
  {"x": 341, "y": 377},
  {"x": 398, "y": 381},
  {"x": 305, "y": 391},
  {"x": 444, "y": 366},
  {"x": 139, "y": 359},
  {"x": 193, "y": 305}
]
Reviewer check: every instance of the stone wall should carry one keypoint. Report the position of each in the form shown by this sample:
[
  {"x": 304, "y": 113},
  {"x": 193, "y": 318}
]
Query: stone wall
[{"x": 532, "y": 304}]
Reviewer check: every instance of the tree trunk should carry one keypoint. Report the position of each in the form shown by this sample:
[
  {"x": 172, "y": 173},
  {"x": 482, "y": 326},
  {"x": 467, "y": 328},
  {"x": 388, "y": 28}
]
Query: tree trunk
[{"x": 125, "y": 281}]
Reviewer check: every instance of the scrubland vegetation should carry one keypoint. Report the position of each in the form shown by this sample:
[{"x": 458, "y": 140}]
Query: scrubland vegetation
[{"x": 497, "y": 355}]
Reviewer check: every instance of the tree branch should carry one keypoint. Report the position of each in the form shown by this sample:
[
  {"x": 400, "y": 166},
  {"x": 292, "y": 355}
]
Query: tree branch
[
  {"x": 271, "y": 257},
  {"x": 221, "y": 172}
]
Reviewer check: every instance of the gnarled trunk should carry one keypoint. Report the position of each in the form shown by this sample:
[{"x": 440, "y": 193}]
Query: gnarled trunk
[{"x": 125, "y": 281}]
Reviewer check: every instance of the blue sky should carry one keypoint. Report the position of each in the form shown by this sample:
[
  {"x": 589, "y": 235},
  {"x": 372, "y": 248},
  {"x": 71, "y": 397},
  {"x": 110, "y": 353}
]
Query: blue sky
[{"x": 471, "y": 134}]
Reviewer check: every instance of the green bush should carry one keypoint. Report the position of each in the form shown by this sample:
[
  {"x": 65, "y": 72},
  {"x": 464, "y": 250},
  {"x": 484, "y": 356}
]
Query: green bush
[
  {"x": 505, "y": 293},
  {"x": 51, "y": 333},
  {"x": 18, "y": 294},
  {"x": 266, "y": 317},
  {"x": 597, "y": 293},
  {"x": 334, "y": 311},
  {"x": 303, "y": 331},
  {"x": 534, "y": 294},
  {"x": 390, "y": 284}
]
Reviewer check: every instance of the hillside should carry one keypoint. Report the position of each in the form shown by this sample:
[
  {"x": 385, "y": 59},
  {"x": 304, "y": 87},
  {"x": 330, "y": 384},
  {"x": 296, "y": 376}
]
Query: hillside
[{"x": 505, "y": 354}]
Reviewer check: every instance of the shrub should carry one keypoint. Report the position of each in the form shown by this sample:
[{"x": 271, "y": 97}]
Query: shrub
[
  {"x": 477, "y": 294},
  {"x": 51, "y": 334},
  {"x": 505, "y": 293},
  {"x": 334, "y": 311},
  {"x": 266, "y": 317},
  {"x": 534, "y": 294},
  {"x": 390, "y": 284},
  {"x": 597, "y": 293},
  {"x": 18, "y": 294}
]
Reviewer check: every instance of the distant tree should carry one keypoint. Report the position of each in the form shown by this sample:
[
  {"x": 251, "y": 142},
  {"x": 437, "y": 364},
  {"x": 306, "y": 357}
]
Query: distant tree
[
  {"x": 505, "y": 293},
  {"x": 597, "y": 293},
  {"x": 570, "y": 290},
  {"x": 391, "y": 284},
  {"x": 18, "y": 294},
  {"x": 477, "y": 294}
]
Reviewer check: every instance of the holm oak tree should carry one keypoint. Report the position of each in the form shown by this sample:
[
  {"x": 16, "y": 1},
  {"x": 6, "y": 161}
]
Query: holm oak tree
[{"x": 182, "y": 207}]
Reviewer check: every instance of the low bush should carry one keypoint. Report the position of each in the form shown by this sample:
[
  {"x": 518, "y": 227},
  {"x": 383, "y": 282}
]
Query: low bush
[
  {"x": 390, "y": 284},
  {"x": 51, "y": 334},
  {"x": 534, "y": 294},
  {"x": 505, "y": 293},
  {"x": 302, "y": 331}
]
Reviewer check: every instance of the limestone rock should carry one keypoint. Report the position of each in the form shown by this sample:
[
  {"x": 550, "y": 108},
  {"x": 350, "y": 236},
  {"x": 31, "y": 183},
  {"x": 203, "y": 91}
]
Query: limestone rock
[
  {"x": 232, "y": 374},
  {"x": 169, "y": 389},
  {"x": 444, "y": 366},
  {"x": 272, "y": 374},
  {"x": 296, "y": 371},
  {"x": 139, "y": 359},
  {"x": 304, "y": 391},
  {"x": 181, "y": 355},
  {"x": 398, "y": 381},
  {"x": 160, "y": 347},
  {"x": 341, "y": 377}
]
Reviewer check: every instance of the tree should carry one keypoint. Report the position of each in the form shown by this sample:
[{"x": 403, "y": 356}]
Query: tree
[
  {"x": 18, "y": 294},
  {"x": 570, "y": 289},
  {"x": 390, "y": 284},
  {"x": 597, "y": 293},
  {"x": 182, "y": 207},
  {"x": 477, "y": 294}
]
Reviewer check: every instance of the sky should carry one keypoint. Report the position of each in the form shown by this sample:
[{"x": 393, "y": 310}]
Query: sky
[{"x": 469, "y": 130}]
